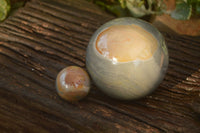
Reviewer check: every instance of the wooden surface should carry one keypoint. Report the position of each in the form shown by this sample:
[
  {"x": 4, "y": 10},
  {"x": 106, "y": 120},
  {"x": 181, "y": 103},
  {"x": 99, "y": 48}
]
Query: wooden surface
[{"x": 46, "y": 36}]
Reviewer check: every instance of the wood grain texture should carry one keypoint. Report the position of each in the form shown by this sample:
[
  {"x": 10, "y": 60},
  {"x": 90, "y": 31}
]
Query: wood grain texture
[{"x": 46, "y": 36}]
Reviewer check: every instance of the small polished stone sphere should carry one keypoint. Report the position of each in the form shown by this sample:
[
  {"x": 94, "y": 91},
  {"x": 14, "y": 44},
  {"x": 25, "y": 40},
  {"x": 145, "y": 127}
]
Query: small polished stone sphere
[
  {"x": 127, "y": 58},
  {"x": 72, "y": 83}
]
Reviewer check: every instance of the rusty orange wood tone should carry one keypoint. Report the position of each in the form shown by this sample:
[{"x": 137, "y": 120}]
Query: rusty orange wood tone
[{"x": 47, "y": 35}]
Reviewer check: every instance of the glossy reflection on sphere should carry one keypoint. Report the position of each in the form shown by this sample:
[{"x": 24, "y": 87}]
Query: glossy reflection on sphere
[
  {"x": 127, "y": 58},
  {"x": 72, "y": 83}
]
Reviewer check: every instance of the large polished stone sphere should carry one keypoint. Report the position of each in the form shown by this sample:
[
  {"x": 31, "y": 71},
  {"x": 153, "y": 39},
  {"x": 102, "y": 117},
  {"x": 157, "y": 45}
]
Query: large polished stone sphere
[{"x": 127, "y": 58}]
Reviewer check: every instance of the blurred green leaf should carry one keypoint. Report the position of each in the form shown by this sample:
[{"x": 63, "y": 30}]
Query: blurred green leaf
[
  {"x": 198, "y": 8},
  {"x": 183, "y": 11},
  {"x": 4, "y": 9},
  {"x": 136, "y": 11},
  {"x": 117, "y": 10},
  {"x": 141, "y": 3},
  {"x": 122, "y": 3}
]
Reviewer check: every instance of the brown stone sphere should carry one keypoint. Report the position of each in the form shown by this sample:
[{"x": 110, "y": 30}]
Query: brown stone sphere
[{"x": 72, "y": 83}]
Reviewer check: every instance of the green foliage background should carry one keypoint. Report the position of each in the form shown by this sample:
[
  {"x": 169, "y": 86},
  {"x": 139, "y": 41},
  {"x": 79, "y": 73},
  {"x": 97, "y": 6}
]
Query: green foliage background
[
  {"x": 135, "y": 8},
  {"x": 139, "y": 8}
]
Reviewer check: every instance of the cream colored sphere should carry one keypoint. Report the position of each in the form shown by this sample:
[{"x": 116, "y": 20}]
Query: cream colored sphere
[{"x": 127, "y": 58}]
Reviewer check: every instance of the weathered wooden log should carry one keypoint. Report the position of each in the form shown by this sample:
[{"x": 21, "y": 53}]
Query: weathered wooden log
[{"x": 48, "y": 35}]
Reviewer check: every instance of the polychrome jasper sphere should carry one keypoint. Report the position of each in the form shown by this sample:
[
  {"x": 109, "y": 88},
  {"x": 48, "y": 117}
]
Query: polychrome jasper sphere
[
  {"x": 127, "y": 58},
  {"x": 72, "y": 83}
]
